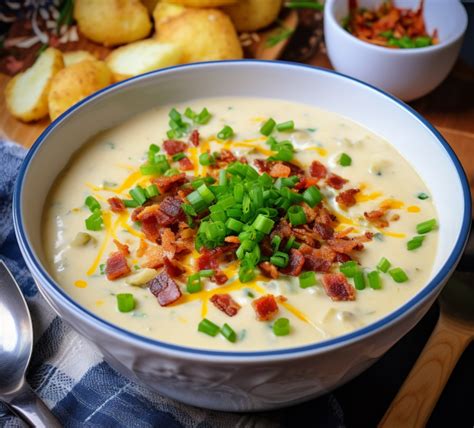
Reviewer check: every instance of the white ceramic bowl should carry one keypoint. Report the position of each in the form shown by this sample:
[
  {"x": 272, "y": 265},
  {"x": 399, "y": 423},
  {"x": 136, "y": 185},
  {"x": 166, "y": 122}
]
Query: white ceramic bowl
[
  {"x": 243, "y": 381},
  {"x": 405, "y": 73}
]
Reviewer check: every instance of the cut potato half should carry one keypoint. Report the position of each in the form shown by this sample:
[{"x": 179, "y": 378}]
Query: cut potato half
[
  {"x": 164, "y": 11},
  {"x": 73, "y": 57},
  {"x": 253, "y": 15},
  {"x": 76, "y": 82},
  {"x": 203, "y": 35},
  {"x": 141, "y": 57},
  {"x": 27, "y": 93}
]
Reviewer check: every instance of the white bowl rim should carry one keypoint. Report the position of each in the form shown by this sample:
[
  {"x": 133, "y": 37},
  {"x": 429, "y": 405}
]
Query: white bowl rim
[
  {"x": 329, "y": 16},
  {"x": 239, "y": 356}
]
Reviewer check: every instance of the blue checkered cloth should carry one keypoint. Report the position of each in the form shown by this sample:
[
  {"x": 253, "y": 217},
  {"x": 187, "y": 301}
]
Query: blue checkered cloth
[{"x": 82, "y": 390}]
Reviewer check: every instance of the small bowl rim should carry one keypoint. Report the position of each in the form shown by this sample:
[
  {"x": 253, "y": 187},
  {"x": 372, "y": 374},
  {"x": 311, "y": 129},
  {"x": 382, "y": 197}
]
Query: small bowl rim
[
  {"x": 108, "y": 328},
  {"x": 330, "y": 19}
]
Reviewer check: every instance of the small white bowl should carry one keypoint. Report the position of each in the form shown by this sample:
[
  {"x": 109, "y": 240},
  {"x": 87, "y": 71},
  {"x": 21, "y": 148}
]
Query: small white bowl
[{"x": 405, "y": 73}]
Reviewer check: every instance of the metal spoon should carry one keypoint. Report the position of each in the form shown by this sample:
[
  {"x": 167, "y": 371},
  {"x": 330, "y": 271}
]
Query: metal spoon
[
  {"x": 16, "y": 345},
  {"x": 422, "y": 388}
]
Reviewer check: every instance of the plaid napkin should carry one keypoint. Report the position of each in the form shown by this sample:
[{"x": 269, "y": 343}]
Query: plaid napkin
[{"x": 69, "y": 374}]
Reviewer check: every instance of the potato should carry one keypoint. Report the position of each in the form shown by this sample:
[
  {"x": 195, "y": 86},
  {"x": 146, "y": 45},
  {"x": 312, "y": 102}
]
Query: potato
[
  {"x": 164, "y": 11},
  {"x": 73, "y": 57},
  {"x": 141, "y": 57},
  {"x": 76, "y": 82},
  {"x": 203, "y": 34},
  {"x": 252, "y": 15},
  {"x": 27, "y": 93},
  {"x": 150, "y": 5},
  {"x": 112, "y": 22},
  {"x": 204, "y": 3}
]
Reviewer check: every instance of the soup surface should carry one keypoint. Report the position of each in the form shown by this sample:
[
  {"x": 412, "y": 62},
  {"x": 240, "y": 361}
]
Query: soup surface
[{"x": 335, "y": 231}]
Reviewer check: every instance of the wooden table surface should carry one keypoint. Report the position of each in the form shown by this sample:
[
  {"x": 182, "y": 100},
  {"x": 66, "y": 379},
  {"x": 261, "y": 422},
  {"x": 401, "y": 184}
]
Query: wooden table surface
[{"x": 450, "y": 108}]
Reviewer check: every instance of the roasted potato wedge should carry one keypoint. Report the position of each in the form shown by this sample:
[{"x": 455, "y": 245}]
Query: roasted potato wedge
[
  {"x": 203, "y": 35},
  {"x": 76, "y": 82},
  {"x": 203, "y": 3},
  {"x": 112, "y": 22},
  {"x": 252, "y": 15},
  {"x": 143, "y": 56},
  {"x": 164, "y": 11},
  {"x": 27, "y": 93},
  {"x": 73, "y": 57}
]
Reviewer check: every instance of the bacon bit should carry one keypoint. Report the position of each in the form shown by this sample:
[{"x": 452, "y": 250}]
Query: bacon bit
[
  {"x": 262, "y": 165},
  {"x": 265, "y": 307},
  {"x": 116, "y": 266},
  {"x": 219, "y": 277},
  {"x": 225, "y": 303},
  {"x": 306, "y": 182},
  {"x": 279, "y": 170},
  {"x": 210, "y": 259},
  {"x": 265, "y": 166},
  {"x": 173, "y": 147},
  {"x": 194, "y": 138},
  {"x": 116, "y": 205},
  {"x": 346, "y": 245},
  {"x": 185, "y": 164},
  {"x": 347, "y": 198},
  {"x": 171, "y": 206},
  {"x": 172, "y": 269},
  {"x": 338, "y": 288},
  {"x": 154, "y": 257},
  {"x": 142, "y": 248},
  {"x": 282, "y": 229},
  {"x": 182, "y": 193},
  {"x": 317, "y": 260},
  {"x": 306, "y": 235},
  {"x": 335, "y": 181},
  {"x": 376, "y": 217},
  {"x": 269, "y": 270},
  {"x": 150, "y": 228},
  {"x": 243, "y": 160},
  {"x": 168, "y": 241},
  {"x": 295, "y": 264},
  {"x": 343, "y": 233},
  {"x": 164, "y": 289},
  {"x": 136, "y": 212},
  {"x": 395, "y": 217},
  {"x": 225, "y": 157},
  {"x": 325, "y": 232},
  {"x": 232, "y": 239},
  {"x": 325, "y": 217},
  {"x": 281, "y": 299},
  {"x": 318, "y": 170},
  {"x": 122, "y": 247},
  {"x": 342, "y": 258},
  {"x": 167, "y": 184}
]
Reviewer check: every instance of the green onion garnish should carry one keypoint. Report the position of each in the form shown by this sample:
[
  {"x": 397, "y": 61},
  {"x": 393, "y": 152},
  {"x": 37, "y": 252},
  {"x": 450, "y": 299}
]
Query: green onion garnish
[
  {"x": 267, "y": 127},
  {"x": 349, "y": 269},
  {"x": 225, "y": 133},
  {"x": 279, "y": 259},
  {"x": 193, "y": 284},
  {"x": 208, "y": 327},
  {"x": 383, "y": 265},
  {"x": 415, "y": 242},
  {"x": 206, "y": 273},
  {"x": 138, "y": 194},
  {"x": 130, "y": 203},
  {"x": 246, "y": 272},
  {"x": 178, "y": 156},
  {"x": 229, "y": 333},
  {"x": 426, "y": 226},
  {"x": 125, "y": 302},
  {"x": 398, "y": 274},
  {"x": 345, "y": 160},
  {"x": 374, "y": 280},
  {"x": 102, "y": 268},
  {"x": 312, "y": 196},
  {"x": 359, "y": 280},
  {"x": 296, "y": 215},
  {"x": 286, "y": 126},
  {"x": 276, "y": 241},
  {"x": 151, "y": 191},
  {"x": 422, "y": 196},
  {"x": 206, "y": 159},
  {"x": 234, "y": 225},
  {"x": 205, "y": 193},
  {"x": 94, "y": 221},
  {"x": 308, "y": 279},
  {"x": 281, "y": 327},
  {"x": 203, "y": 117},
  {"x": 263, "y": 224},
  {"x": 92, "y": 203}
]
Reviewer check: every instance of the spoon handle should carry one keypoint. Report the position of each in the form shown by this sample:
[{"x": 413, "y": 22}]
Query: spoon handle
[
  {"x": 30, "y": 408},
  {"x": 420, "y": 392}
]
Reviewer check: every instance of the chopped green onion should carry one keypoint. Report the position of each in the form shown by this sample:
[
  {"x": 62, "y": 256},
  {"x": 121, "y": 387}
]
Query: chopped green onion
[
  {"x": 102, "y": 268},
  {"x": 422, "y": 196},
  {"x": 426, "y": 226},
  {"x": 203, "y": 117},
  {"x": 206, "y": 273},
  {"x": 178, "y": 156},
  {"x": 208, "y": 327},
  {"x": 205, "y": 193},
  {"x": 171, "y": 172},
  {"x": 229, "y": 333},
  {"x": 374, "y": 280},
  {"x": 415, "y": 242},
  {"x": 219, "y": 215},
  {"x": 263, "y": 224},
  {"x": 423, "y": 41},
  {"x": 286, "y": 126},
  {"x": 147, "y": 169},
  {"x": 152, "y": 191},
  {"x": 130, "y": 203},
  {"x": 359, "y": 280},
  {"x": 345, "y": 160},
  {"x": 189, "y": 113},
  {"x": 125, "y": 302},
  {"x": 193, "y": 284},
  {"x": 234, "y": 225},
  {"x": 92, "y": 203},
  {"x": 398, "y": 274},
  {"x": 349, "y": 269},
  {"x": 225, "y": 133},
  {"x": 152, "y": 151},
  {"x": 289, "y": 244},
  {"x": 296, "y": 215},
  {"x": 206, "y": 159},
  {"x": 276, "y": 241},
  {"x": 279, "y": 259},
  {"x": 283, "y": 154},
  {"x": 267, "y": 127},
  {"x": 94, "y": 221},
  {"x": 281, "y": 327},
  {"x": 222, "y": 178},
  {"x": 308, "y": 279},
  {"x": 246, "y": 273},
  {"x": 312, "y": 196},
  {"x": 138, "y": 194},
  {"x": 383, "y": 265}
]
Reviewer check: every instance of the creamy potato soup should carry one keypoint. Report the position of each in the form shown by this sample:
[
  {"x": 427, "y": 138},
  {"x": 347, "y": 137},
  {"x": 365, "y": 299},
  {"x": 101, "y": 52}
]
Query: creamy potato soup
[{"x": 240, "y": 224}]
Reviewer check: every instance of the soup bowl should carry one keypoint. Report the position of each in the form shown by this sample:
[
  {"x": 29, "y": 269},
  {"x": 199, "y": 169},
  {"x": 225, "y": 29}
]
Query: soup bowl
[{"x": 244, "y": 381}]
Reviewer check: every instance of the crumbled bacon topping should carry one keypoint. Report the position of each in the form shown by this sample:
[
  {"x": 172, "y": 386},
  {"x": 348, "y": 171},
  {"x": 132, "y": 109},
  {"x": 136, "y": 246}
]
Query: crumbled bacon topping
[
  {"x": 279, "y": 170},
  {"x": 194, "y": 138},
  {"x": 225, "y": 303},
  {"x": 335, "y": 181},
  {"x": 116, "y": 266},
  {"x": 185, "y": 164},
  {"x": 168, "y": 184},
  {"x": 347, "y": 198},
  {"x": 165, "y": 289},
  {"x": 337, "y": 287},
  {"x": 295, "y": 263},
  {"x": 173, "y": 147},
  {"x": 265, "y": 307},
  {"x": 269, "y": 270},
  {"x": 318, "y": 170},
  {"x": 116, "y": 205},
  {"x": 377, "y": 218}
]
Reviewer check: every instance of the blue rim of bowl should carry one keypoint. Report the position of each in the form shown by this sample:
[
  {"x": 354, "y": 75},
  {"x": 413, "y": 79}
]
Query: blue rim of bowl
[
  {"x": 444, "y": 272},
  {"x": 402, "y": 52}
]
